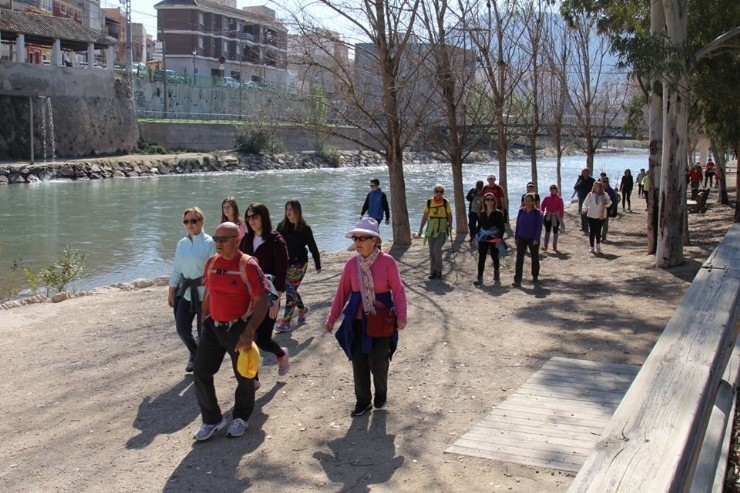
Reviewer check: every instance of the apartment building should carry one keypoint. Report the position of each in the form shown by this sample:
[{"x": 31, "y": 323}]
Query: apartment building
[
  {"x": 320, "y": 57},
  {"x": 214, "y": 38}
]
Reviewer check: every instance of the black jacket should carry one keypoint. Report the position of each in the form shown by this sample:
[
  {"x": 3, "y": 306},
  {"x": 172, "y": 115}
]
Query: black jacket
[{"x": 298, "y": 241}]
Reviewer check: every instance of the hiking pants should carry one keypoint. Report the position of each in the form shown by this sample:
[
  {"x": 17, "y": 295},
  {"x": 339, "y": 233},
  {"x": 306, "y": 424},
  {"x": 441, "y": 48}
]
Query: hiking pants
[
  {"x": 522, "y": 244},
  {"x": 184, "y": 324},
  {"x": 472, "y": 224},
  {"x": 215, "y": 342},
  {"x": 584, "y": 219},
  {"x": 435, "y": 253},
  {"x": 376, "y": 363},
  {"x": 605, "y": 228},
  {"x": 594, "y": 230},
  {"x": 483, "y": 248}
]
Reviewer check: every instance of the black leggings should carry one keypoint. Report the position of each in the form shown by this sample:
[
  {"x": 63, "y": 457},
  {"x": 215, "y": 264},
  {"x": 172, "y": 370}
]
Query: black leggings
[
  {"x": 263, "y": 337},
  {"x": 483, "y": 248},
  {"x": 594, "y": 230},
  {"x": 627, "y": 198}
]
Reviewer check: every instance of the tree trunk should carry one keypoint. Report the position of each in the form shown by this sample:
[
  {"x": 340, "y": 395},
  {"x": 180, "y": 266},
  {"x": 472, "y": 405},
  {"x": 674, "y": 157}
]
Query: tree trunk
[
  {"x": 655, "y": 129},
  {"x": 399, "y": 207},
  {"x": 720, "y": 174}
]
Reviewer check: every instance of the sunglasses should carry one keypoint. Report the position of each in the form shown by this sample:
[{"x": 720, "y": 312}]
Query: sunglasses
[
  {"x": 190, "y": 221},
  {"x": 490, "y": 200},
  {"x": 223, "y": 239},
  {"x": 361, "y": 238},
  {"x": 439, "y": 191}
]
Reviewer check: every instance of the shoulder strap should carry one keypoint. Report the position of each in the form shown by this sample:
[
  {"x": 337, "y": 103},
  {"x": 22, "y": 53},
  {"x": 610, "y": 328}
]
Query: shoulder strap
[
  {"x": 243, "y": 271},
  {"x": 429, "y": 203}
]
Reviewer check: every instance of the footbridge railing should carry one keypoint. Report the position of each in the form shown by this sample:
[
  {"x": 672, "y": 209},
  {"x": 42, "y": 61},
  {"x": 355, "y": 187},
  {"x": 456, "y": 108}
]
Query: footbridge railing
[{"x": 671, "y": 431}]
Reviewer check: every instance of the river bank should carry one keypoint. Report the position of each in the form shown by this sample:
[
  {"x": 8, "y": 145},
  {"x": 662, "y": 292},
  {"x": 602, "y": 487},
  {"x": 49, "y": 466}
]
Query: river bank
[{"x": 141, "y": 165}]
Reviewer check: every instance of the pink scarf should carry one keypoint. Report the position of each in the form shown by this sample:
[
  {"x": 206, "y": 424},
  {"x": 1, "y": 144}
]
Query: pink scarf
[{"x": 367, "y": 285}]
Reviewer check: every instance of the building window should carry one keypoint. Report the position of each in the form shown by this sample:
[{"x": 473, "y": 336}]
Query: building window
[
  {"x": 201, "y": 44},
  {"x": 200, "y": 17},
  {"x": 226, "y": 46}
]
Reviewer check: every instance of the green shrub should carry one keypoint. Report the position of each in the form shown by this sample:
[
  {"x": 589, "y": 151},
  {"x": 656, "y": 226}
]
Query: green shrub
[
  {"x": 65, "y": 269},
  {"x": 251, "y": 140},
  {"x": 329, "y": 154}
]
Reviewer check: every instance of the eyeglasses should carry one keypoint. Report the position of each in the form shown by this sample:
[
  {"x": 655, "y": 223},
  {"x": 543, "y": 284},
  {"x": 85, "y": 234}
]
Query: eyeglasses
[
  {"x": 361, "y": 238},
  {"x": 223, "y": 239},
  {"x": 190, "y": 221},
  {"x": 252, "y": 216},
  {"x": 439, "y": 191}
]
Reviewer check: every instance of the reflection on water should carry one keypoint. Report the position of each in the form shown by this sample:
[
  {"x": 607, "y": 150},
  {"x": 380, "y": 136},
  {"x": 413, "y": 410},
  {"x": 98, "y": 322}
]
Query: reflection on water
[{"x": 128, "y": 227}]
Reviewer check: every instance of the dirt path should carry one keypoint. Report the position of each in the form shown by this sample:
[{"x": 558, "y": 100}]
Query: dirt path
[{"x": 94, "y": 396}]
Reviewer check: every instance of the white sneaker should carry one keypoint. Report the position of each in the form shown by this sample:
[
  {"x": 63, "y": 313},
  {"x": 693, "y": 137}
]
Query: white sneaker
[
  {"x": 206, "y": 431},
  {"x": 591, "y": 250},
  {"x": 237, "y": 428},
  {"x": 284, "y": 363}
]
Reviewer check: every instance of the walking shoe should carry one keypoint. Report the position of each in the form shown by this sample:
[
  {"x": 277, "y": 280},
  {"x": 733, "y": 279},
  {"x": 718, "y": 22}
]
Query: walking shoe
[
  {"x": 189, "y": 365},
  {"x": 360, "y": 409},
  {"x": 516, "y": 284},
  {"x": 544, "y": 248},
  {"x": 283, "y": 363},
  {"x": 206, "y": 431},
  {"x": 302, "y": 314},
  {"x": 237, "y": 428},
  {"x": 478, "y": 281},
  {"x": 380, "y": 401},
  {"x": 591, "y": 250},
  {"x": 496, "y": 276},
  {"x": 598, "y": 248},
  {"x": 282, "y": 326}
]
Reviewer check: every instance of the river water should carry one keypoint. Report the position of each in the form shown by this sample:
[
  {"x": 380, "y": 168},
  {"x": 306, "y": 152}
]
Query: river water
[{"x": 128, "y": 228}]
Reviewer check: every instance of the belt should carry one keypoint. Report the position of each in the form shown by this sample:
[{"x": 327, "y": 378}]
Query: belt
[{"x": 228, "y": 324}]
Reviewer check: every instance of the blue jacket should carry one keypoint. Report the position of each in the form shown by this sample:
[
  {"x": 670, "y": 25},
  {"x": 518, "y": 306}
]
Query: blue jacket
[
  {"x": 346, "y": 335},
  {"x": 376, "y": 203}
]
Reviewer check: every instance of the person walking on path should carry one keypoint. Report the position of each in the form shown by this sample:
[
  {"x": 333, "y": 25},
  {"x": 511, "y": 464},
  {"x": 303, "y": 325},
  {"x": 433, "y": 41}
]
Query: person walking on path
[
  {"x": 370, "y": 281},
  {"x": 646, "y": 188},
  {"x": 439, "y": 213},
  {"x": 612, "y": 209},
  {"x": 376, "y": 203},
  {"x": 298, "y": 236},
  {"x": 498, "y": 191},
  {"x": 230, "y": 212},
  {"x": 234, "y": 304},
  {"x": 595, "y": 208},
  {"x": 582, "y": 187},
  {"x": 709, "y": 173},
  {"x": 531, "y": 189},
  {"x": 695, "y": 178},
  {"x": 638, "y": 179},
  {"x": 474, "y": 197},
  {"x": 185, "y": 286},
  {"x": 527, "y": 236},
  {"x": 490, "y": 236},
  {"x": 269, "y": 247},
  {"x": 625, "y": 188},
  {"x": 552, "y": 211}
]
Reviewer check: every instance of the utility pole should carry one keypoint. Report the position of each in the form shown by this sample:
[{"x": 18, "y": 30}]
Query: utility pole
[
  {"x": 129, "y": 52},
  {"x": 164, "y": 72}
]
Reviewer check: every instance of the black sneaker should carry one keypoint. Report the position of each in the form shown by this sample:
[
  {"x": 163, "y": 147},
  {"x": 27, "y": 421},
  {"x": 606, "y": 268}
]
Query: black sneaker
[
  {"x": 379, "y": 401},
  {"x": 189, "y": 366},
  {"x": 360, "y": 409}
]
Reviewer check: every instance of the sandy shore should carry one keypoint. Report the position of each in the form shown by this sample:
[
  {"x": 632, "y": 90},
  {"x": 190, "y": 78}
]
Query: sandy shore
[{"x": 95, "y": 397}]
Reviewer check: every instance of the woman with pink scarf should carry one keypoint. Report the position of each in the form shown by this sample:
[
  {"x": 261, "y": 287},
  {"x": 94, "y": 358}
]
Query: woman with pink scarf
[{"x": 369, "y": 280}]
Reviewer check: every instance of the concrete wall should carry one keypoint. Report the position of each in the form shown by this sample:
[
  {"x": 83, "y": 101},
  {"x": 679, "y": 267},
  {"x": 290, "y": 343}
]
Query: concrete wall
[
  {"x": 91, "y": 112},
  {"x": 204, "y": 137}
]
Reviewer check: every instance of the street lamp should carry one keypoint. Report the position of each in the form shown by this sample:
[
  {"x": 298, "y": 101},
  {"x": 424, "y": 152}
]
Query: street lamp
[{"x": 195, "y": 52}]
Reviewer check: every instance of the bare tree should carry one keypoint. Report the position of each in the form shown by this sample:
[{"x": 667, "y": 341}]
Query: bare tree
[
  {"x": 557, "y": 50},
  {"x": 596, "y": 95},
  {"x": 461, "y": 116},
  {"x": 496, "y": 36},
  {"x": 381, "y": 105}
]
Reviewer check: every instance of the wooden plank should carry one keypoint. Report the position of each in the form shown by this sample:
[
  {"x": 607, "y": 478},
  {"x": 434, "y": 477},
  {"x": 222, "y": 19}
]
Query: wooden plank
[
  {"x": 653, "y": 441},
  {"x": 549, "y": 425}
]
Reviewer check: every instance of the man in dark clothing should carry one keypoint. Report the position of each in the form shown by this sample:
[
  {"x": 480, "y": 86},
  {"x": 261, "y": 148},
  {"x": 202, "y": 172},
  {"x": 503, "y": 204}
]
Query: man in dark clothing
[
  {"x": 613, "y": 209},
  {"x": 583, "y": 186},
  {"x": 376, "y": 203},
  {"x": 474, "y": 197}
]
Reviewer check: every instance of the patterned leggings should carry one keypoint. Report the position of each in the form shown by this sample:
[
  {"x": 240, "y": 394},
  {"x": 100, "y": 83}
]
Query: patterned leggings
[{"x": 293, "y": 300}]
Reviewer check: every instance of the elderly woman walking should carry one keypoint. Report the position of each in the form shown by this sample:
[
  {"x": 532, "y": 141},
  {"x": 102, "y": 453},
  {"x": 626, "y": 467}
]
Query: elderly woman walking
[{"x": 369, "y": 286}]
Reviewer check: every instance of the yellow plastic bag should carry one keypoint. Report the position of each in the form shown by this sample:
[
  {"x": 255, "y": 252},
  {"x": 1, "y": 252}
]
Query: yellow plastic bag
[{"x": 248, "y": 363}]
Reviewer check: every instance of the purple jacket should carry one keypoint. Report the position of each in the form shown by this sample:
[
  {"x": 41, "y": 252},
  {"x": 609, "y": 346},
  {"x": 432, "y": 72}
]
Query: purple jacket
[
  {"x": 272, "y": 255},
  {"x": 529, "y": 225}
]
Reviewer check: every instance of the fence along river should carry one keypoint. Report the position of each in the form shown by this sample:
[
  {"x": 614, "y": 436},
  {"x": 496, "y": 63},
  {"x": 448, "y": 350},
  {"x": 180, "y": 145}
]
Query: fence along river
[{"x": 128, "y": 228}]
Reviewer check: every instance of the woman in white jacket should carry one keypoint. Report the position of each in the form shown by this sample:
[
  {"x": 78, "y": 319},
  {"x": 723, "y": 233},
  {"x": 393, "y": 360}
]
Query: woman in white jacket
[{"x": 595, "y": 208}]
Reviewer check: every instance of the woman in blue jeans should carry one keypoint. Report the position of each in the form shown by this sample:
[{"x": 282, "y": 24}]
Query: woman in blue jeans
[{"x": 527, "y": 236}]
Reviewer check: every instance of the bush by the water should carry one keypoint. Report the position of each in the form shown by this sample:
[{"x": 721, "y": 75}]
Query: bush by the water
[
  {"x": 250, "y": 139},
  {"x": 330, "y": 154}
]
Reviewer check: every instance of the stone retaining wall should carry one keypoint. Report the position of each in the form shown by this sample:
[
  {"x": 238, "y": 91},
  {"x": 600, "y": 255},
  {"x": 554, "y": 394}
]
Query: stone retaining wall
[{"x": 133, "y": 166}]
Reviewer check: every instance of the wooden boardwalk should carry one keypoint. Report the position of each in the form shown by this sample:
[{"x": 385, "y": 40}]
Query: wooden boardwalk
[{"x": 554, "y": 419}]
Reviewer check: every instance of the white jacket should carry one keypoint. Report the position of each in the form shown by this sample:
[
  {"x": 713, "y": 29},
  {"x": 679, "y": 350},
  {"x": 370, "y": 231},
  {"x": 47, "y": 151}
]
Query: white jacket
[{"x": 595, "y": 206}]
